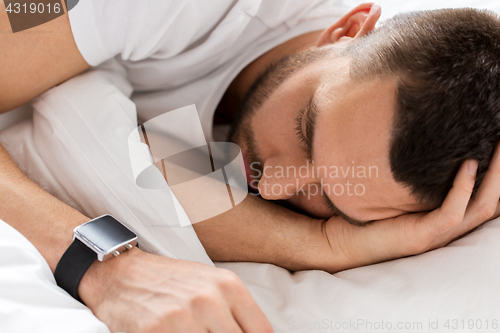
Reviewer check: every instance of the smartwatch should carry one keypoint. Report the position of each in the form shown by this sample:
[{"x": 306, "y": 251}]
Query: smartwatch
[{"x": 100, "y": 239}]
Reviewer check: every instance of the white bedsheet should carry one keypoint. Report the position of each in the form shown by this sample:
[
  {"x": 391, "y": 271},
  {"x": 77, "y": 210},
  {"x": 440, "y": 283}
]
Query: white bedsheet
[{"x": 73, "y": 147}]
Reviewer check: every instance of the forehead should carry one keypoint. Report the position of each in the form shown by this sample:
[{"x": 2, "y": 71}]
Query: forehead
[{"x": 353, "y": 132}]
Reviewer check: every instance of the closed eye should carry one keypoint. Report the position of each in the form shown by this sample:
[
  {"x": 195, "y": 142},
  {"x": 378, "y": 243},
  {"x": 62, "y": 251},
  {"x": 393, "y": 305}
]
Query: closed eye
[
  {"x": 298, "y": 128},
  {"x": 307, "y": 116}
]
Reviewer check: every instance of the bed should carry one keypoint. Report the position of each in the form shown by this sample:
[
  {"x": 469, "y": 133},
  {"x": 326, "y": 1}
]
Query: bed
[{"x": 75, "y": 146}]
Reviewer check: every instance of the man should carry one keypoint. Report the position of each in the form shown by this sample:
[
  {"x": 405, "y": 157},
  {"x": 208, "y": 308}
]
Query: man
[{"x": 139, "y": 292}]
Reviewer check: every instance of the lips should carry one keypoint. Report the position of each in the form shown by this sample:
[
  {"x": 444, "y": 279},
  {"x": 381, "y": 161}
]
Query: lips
[{"x": 247, "y": 168}]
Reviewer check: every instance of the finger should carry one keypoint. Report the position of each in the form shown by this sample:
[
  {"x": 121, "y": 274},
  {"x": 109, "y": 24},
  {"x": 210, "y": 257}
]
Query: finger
[
  {"x": 223, "y": 322},
  {"x": 184, "y": 327},
  {"x": 243, "y": 307},
  {"x": 497, "y": 212},
  {"x": 452, "y": 211},
  {"x": 167, "y": 324},
  {"x": 465, "y": 228},
  {"x": 484, "y": 204},
  {"x": 249, "y": 316}
]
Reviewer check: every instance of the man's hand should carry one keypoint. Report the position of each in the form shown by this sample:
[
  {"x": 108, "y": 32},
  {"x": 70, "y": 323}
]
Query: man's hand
[
  {"x": 420, "y": 232},
  {"x": 141, "y": 292}
]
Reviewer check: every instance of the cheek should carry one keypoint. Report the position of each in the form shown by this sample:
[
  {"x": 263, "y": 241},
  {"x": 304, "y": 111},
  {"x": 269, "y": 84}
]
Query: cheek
[{"x": 274, "y": 129}]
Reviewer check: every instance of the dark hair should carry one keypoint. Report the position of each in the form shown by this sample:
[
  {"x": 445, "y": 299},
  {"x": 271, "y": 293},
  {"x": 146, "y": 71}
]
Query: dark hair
[{"x": 447, "y": 63}]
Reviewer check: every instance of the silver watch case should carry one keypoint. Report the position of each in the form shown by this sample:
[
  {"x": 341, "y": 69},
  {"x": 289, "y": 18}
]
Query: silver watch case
[{"x": 106, "y": 236}]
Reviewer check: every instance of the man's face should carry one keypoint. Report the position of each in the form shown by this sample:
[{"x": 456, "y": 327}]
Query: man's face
[{"x": 313, "y": 136}]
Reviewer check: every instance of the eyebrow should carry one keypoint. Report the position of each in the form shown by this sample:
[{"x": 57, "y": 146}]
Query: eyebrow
[
  {"x": 311, "y": 113},
  {"x": 338, "y": 212}
]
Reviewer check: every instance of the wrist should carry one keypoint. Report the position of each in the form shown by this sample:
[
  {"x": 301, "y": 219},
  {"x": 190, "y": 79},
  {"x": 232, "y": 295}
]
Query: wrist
[
  {"x": 338, "y": 235},
  {"x": 356, "y": 246},
  {"x": 101, "y": 277},
  {"x": 307, "y": 246},
  {"x": 100, "y": 239}
]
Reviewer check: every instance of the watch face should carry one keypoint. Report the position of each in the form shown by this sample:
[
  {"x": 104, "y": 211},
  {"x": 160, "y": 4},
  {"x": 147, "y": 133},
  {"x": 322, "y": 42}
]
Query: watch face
[{"x": 105, "y": 233}]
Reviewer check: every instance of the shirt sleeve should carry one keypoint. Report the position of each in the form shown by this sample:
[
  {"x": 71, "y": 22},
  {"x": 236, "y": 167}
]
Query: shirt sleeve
[{"x": 139, "y": 29}]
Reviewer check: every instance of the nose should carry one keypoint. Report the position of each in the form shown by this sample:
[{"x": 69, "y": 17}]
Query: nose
[{"x": 282, "y": 179}]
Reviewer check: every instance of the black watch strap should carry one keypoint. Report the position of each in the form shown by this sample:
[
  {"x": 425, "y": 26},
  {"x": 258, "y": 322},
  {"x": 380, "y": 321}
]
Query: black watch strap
[{"x": 72, "y": 266}]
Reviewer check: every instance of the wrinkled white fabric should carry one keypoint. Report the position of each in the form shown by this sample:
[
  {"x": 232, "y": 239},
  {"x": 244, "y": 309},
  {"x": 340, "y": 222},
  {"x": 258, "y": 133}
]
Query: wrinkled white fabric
[{"x": 81, "y": 131}]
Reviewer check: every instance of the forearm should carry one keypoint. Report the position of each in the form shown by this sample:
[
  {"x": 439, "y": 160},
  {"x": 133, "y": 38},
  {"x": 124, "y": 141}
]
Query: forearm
[
  {"x": 259, "y": 231},
  {"x": 45, "y": 221}
]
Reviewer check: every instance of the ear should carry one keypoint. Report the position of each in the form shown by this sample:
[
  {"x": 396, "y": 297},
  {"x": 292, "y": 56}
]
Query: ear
[{"x": 358, "y": 22}]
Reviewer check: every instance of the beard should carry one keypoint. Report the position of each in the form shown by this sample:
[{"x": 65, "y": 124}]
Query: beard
[{"x": 241, "y": 132}]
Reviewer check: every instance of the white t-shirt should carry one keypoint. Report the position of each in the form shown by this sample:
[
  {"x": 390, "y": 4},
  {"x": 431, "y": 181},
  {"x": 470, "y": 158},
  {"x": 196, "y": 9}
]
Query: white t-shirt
[{"x": 185, "y": 52}]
